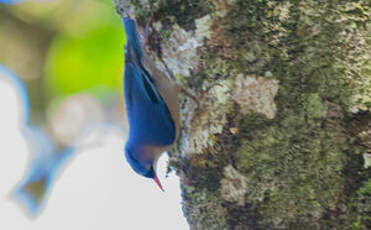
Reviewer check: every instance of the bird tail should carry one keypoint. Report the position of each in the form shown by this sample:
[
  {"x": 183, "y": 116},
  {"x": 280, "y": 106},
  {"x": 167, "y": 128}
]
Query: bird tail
[
  {"x": 132, "y": 38},
  {"x": 46, "y": 162},
  {"x": 32, "y": 193}
]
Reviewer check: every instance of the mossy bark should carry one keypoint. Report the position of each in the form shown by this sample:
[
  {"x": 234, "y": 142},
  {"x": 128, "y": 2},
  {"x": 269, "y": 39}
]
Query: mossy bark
[{"x": 282, "y": 139}]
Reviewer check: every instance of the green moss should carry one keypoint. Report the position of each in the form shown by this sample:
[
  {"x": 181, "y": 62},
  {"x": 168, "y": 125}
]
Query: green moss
[
  {"x": 365, "y": 190},
  {"x": 294, "y": 171},
  {"x": 203, "y": 172},
  {"x": 204, "y": 210},
  {"x": 356, "y": 225},
  {"x": 360, "y": 206},
  {"x": 183, "y": 12},
  {"x": 170, "y": 12},
  {"x": 165, "y": 34},
  {"x": 313, "y": 106}
]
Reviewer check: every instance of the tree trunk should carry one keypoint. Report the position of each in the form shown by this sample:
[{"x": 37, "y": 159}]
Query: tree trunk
[{"x": 282, "y": 140}]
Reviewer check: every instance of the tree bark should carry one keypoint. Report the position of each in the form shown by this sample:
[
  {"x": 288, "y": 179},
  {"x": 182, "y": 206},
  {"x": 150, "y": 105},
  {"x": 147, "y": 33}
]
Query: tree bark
[{"x": 282, "y": 140}]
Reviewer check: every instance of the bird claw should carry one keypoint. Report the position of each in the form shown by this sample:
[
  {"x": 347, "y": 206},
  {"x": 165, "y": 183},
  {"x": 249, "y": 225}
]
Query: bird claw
[
  {"x": 198, "y": 100},
  {"x": 204, "y": 93},
  {"x": 190, "y": 95},
  {"x": 145, "y": 33}
]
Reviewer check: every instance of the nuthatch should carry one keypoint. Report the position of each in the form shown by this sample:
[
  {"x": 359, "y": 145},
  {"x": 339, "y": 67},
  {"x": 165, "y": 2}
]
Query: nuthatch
[
  {"x": 151, "y": 102},
  {"x": 46, "y": 162},
  {"x": 46, "y": 159}
]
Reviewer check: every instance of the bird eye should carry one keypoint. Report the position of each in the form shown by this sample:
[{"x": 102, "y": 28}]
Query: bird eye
[{"x": 148, "y": 167}]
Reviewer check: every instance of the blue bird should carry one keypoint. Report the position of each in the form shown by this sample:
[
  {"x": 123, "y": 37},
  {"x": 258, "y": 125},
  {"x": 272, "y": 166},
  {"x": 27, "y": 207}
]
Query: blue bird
[
  {"x": 152, "y": 108},
  {"x": 46, "y": 158},
  {"x": 10, "y": 1},
  {"x": 46, "y": 162}
]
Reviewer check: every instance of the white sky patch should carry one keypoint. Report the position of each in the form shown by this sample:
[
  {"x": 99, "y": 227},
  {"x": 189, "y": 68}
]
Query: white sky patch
[{"x": 96, "y": 190}]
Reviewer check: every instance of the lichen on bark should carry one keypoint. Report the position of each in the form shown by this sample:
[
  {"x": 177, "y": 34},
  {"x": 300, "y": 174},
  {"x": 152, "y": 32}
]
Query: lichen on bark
[{"x": 281, "y": 141}]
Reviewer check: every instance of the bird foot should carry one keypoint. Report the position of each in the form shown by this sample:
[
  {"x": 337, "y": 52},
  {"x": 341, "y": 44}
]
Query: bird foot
[
  {"x": 145, "y": 33},
  {"x": 205, "y": 92},
  {"x": 190, "y": 95},
  {"x": 198, "y": 100}
]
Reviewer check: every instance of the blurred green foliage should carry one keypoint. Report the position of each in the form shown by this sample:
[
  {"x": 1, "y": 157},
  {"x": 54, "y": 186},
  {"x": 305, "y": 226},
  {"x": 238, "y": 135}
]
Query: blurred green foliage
[
  {"x": 95, "y": 59},
  {"x": 87, "y": 58},
  {"x": 63, "y": 47}
]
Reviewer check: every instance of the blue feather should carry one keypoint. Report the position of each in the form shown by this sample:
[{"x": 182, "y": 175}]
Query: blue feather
[
  {"x": 46, "y": 162},
  {"x": 8, "y": 75},
  {"x": 132, "y": 37},
  {"x": 10, "y": 1}
]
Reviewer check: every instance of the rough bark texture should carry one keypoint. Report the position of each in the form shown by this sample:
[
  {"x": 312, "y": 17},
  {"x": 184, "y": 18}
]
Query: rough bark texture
[{"x": 283, "y": 141}]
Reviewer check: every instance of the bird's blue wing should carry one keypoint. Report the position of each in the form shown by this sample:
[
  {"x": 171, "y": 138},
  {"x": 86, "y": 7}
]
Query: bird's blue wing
[
  {"x": 144, "y": 81},
  {"x": 9, "y": 76},
  {"x": 149, "y": 118}
]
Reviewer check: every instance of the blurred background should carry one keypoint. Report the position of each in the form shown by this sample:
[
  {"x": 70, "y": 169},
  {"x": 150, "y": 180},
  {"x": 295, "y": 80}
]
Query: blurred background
[
  {"x": 63, "y": 47},
  {"x": 69, "y": 54}
]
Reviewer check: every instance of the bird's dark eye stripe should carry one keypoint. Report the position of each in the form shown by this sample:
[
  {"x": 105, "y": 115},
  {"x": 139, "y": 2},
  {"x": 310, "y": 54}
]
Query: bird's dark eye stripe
[{"x": 133, "y": 158}]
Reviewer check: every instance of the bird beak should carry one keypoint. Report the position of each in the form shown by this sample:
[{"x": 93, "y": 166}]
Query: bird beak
[{"x": 155, "y": 178}]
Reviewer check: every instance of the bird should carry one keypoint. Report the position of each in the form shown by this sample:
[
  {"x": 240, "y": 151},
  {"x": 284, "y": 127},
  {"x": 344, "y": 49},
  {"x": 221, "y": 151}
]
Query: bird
[
  {"x": 53, "y": 143},
  {"x": 46, "y": 162},
  {"x": 46, "y": 159},
  {"x": 152, "y": 107}
]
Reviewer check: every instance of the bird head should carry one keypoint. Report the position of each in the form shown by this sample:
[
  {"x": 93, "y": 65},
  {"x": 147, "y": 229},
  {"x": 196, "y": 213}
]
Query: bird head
[{"x": 141, "y": 164}]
